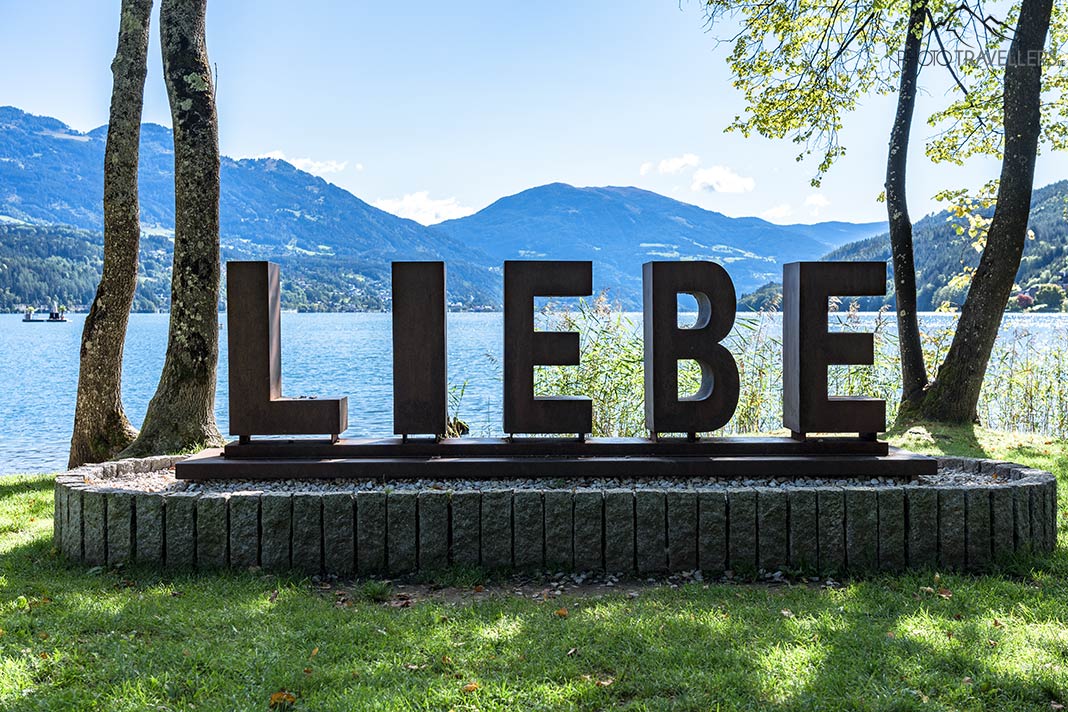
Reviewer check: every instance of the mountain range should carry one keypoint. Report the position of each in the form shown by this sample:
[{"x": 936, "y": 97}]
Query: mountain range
[
  {"x": 621, "y": 228},
  {"x": 334, "y": 248},
  {"x": 943, "y": 250}
]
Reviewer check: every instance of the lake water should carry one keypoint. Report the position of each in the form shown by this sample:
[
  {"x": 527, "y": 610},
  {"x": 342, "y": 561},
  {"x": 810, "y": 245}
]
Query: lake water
[{"x": 322, "y": 354}]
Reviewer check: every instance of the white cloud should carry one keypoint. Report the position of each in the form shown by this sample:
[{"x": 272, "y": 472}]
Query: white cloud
[
  {"x": 669, "y": 166},
  {"x": 310, "y": 165},
  {"x": 721, "y": 179},
  {"x": 817, "y": 202},
  {"x": 778, "y": 213},
  {"x": 420, "y": 207},
  {"x": 319, "y": 167},
  {"x": 646, "y": 167}
]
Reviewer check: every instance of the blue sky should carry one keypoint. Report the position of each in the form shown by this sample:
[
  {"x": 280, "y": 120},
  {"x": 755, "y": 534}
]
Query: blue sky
[{"x": 434, "y": 110}]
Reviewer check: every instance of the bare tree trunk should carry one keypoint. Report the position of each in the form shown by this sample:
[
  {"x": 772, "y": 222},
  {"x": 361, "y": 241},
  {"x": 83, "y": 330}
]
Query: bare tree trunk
[
  {"x": 181, "y": 415},
  {"x": 100, "y": 425},
  {"x": 913, "y": 370},
  {"x": 954, "y": 395}
]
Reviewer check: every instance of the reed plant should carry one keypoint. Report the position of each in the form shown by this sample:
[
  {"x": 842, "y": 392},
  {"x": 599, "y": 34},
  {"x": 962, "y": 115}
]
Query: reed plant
[{"x": 1026, "y": 386}]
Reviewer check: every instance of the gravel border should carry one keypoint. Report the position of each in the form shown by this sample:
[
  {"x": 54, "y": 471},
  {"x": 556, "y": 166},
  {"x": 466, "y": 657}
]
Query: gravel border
[{"x": 164, "y": 481}]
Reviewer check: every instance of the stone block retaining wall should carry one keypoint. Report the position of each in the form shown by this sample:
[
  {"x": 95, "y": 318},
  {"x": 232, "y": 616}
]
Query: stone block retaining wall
[{"x": 827, "y": 530}]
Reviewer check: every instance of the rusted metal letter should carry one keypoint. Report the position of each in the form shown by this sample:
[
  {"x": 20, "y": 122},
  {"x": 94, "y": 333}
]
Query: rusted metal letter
[
  {"x": 809, "y": 348},
  {"x": 523, "y": 347},
  {"x": 253, "y": 319},
  {"x": 666, "y": 344},
  {"x": 420, "y": 392}
]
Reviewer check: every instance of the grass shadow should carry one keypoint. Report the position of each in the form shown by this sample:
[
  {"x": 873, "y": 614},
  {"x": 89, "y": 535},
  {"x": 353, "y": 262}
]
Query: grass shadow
[{"x": 13, "y": 485}]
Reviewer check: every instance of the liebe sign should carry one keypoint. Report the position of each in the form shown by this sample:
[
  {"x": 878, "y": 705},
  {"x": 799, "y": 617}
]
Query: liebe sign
[{"x": 420, "y": 391}]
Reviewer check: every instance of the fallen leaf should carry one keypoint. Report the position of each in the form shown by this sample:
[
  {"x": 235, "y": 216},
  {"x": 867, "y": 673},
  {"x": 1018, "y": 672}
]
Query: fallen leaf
[
  {"x": 561, "y": 613},
  {"x": 1056, "y": 706},
  {"x": 787, "y": 613},
  {"x": 967, "y": 681},
  {"x": 413, "y": 666},
  {"x": 605, "y": 683},
  {"x": 926, "y": 589},
  {"x": 945, "y": 593},
  {"x": 307, "y": 671},
  {"x": 282, "y": 698},
  {"x": 479, "y": 588},
  {"x": 42, "y": 635},
  {"x": 958, "y": 617},
  {"x": 572, "y": 652},
  {"x": 470, "y": 687},
  {"x": 274, "y": 596},
  {"x": 43, "y": 655},
  {"x": 992, "y": 643},
  {"x": 890, "y": 634},
  {"x": 997, "y": 623},
  {"x": 314, "y": 652}
]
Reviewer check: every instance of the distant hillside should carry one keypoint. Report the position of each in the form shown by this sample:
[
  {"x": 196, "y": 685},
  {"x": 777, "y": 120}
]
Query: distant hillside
[
  {"x": 942, "y": 254},
  {"x": 335, "y": 249},
  {"x": 621, "y": 228},
  {"x": 42, "y": 263}
]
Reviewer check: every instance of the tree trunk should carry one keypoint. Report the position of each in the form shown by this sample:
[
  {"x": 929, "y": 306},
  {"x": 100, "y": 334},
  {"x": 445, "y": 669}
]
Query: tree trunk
[
  {"x": 913, "y": 370},
  {"x": 954, "y": 395},
  {"x": 100, "y": 425},
  {"x": 181, "y": 415}
]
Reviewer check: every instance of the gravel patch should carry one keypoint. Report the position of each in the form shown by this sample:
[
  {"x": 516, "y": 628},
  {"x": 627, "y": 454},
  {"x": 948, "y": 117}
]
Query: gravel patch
[
  {"x": 962, "y": 478},
  {"x": 155, "y": 481},
  {"x": 164, "y": 481}
]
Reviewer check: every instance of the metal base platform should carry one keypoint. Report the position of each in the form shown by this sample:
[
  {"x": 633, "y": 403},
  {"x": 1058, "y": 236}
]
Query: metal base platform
[{"x": 474, "y": 458}]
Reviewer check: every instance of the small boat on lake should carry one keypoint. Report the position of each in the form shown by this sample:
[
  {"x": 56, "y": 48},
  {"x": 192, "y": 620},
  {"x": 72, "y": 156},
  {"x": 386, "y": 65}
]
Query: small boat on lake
[{"x": 55, "y": 315}]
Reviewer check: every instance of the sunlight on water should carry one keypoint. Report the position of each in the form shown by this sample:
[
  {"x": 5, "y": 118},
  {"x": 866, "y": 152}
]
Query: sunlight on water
[{"x": 322, "y": 354}]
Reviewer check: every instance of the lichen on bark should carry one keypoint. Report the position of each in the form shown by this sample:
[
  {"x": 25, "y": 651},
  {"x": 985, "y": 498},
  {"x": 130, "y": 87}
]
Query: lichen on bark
[
  {"x": 101, "y": 428},
  {"x": 181, "y": 414}
]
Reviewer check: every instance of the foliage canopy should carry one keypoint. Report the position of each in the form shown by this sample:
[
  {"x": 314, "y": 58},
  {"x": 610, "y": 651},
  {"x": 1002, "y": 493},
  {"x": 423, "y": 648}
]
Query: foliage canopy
[{"x": 804, "y": 65}]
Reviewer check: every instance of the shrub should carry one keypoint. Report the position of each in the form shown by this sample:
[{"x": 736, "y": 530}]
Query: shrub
[{"x": 1050, "y": 298}]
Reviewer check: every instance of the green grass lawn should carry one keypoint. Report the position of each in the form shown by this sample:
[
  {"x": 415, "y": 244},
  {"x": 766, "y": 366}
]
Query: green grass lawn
[{"x": 72, "y": 639}]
